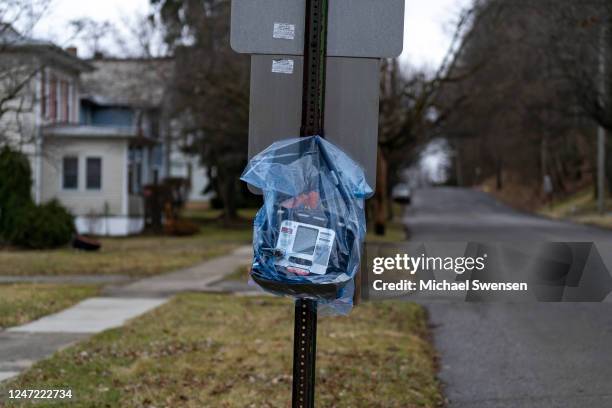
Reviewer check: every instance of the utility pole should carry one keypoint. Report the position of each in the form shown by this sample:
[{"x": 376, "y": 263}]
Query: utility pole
[{"x": 601, "y": 131}]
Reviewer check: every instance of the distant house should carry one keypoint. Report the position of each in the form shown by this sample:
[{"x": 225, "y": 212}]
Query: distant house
[
  {"x": 98, "y": 165},
  {"x": 100, "y": 134}
]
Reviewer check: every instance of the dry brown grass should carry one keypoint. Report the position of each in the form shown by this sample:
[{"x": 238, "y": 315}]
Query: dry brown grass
[
  {"x": 223, "y": 351},
  {"x": 134, "y": 256},
  {"x": 21, "y": 303}
]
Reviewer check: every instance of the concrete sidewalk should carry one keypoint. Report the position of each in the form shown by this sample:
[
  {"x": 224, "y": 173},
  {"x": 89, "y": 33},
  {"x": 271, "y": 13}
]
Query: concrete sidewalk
[
  {"x": 69, "y": 279},
  {"x": 197, "y": 278},
  {"x": 90, "y": 316},
  {"x": 18, "y": 351},
  {"x": 22, "y": 346}
]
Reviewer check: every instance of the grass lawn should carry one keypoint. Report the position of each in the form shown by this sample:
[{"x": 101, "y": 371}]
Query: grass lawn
[
  {"x": 394, "y": 232},
  {"x": 22, "y": 303},
  {"x": 148, "y": 255},
  {"x": 240, "y": 274},
  {"x": 211, "y": 215},
  {"x": 135, "y": 256},
  {"x": 203, "y": 350},
  {"x": 580, "y": 207}
]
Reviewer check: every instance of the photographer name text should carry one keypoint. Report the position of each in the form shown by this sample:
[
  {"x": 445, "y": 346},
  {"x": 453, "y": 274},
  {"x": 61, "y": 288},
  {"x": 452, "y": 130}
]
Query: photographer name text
[{"x": 447, "y": 286}]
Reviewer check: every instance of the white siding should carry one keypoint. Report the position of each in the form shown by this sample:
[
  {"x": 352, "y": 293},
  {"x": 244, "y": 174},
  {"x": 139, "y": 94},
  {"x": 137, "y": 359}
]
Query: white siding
[
  {"x": 106, "y": 201},
  {"x": 18, "y": 126},
  {"x": 109, "y": 226},
  {"x": 189, "y": 167}
]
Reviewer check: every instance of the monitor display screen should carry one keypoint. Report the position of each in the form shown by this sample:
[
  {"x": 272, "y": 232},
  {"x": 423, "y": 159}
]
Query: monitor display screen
[{"x": 305, "y": 240}]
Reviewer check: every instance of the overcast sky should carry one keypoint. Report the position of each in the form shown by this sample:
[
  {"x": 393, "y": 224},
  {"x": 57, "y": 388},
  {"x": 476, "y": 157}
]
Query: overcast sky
[
  {"x": 428, "y": 23},
  {"x": 429, "y": 26}
]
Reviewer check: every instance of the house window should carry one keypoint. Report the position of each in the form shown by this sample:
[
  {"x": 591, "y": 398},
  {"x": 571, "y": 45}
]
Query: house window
[
  {"x": 43, "y": 93},
  {"x": 94, "y": 173},
  {"x": 156, "y": 176},
  {"x": 70, "y": 173},
  {"x": 135, "y": 171},
  {"x": 71, "y": 104},
  {"x": 58, "y": 101},
  {"x": 135, "y": 178},
  {"x": 136, "y": 187},
  {"x": 52, "y": 99},
  {"x": 66, "y": 105}
]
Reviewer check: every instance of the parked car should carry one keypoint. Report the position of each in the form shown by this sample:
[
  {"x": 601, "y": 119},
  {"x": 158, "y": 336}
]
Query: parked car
[{"x": 402, "y": 194}]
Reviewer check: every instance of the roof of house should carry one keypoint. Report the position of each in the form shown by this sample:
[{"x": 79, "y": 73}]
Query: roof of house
[
  {"x": 12, "y": 40},
  {"x": 134, "y": 82}
]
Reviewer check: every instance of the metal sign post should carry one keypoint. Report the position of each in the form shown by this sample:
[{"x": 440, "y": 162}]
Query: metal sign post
[
  {"x": 325, "y": 54},
  {"x": 356, "y": 29},
  {"x": 304, "y": 353},
  {"x": 313, "y": 115},
  {"x": 352, "y": 89},
  {"x": 359, "y": 33}
]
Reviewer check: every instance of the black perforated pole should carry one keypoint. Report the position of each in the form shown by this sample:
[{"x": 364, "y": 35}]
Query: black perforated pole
[
  {"x": 315, "y": 44},
  {"x": 304, "y": 353},
  {"x": 313, "y": 112}
]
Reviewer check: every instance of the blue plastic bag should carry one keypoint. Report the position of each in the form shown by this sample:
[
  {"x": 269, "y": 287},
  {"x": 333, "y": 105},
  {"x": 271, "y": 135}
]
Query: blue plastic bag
[{"x": 309, "y": 233}]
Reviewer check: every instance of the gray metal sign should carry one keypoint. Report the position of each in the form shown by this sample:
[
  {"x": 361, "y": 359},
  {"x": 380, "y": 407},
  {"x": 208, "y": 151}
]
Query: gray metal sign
[
  {"x": 351, "y": 105},
  {"x": 357, "y": 28}
]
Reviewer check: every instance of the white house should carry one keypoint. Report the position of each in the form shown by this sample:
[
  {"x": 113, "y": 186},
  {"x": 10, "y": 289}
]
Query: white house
[
  {"x": 95, "y": 132},
  {"x": 98, "y": 166}
]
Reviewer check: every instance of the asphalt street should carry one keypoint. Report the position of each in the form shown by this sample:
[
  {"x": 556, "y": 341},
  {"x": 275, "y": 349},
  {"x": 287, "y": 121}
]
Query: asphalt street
[
  {"x": 455, "y": 214},
  {"x": 527, "y": 355}
]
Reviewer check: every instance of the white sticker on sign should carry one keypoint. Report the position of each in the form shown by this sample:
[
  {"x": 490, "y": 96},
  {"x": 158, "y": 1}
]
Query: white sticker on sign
[
  {"x": 282, "y": 66},
  {"x": 284, "y": 31}
]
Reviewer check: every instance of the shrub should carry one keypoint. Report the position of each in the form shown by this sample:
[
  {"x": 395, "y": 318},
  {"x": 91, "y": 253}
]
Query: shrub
[
  {"x": 45, "y": 226},
  {"x": 181, "y": 228},
  {"x": 23, "y": 223},
  {"x": 15, "y": 188}
]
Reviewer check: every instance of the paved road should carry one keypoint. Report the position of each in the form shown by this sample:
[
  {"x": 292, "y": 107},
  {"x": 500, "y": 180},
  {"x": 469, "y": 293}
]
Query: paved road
[
  {"x": 528, "y": 355},
  {"x": 449, "y": 214}
]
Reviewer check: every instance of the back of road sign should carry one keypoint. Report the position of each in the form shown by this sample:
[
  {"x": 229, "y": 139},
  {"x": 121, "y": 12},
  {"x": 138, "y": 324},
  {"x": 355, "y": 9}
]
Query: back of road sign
[
  {"x": 351, "y": 105},
  {"x": 356, "y": 28}
]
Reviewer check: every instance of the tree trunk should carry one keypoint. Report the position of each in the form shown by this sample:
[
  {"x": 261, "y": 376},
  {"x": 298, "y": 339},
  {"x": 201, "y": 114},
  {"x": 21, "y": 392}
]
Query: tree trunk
[
  {"x": 390, "y": 210},
  {"x": 381, "y": 198},
  {"x": 560, "y": 175},
  {"x": 458, "y": 165},
  {"x": 543, "y": 158},
  {"x": 230, "y": 212},
  {"x": 499, "y": 175},
  {"x": 608, "y": 166}
]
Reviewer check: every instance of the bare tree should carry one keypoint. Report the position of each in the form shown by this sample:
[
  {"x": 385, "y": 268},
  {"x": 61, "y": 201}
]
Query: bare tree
[
  {"x": 18, "y": 96},
  {"x": 534, "y": 108},
  {"x": 579, "y": 36},
  {"x": 411, "y": 112},
  {"x": 92, "y": 33},
  {"x": 580, "y": 47},
  {"x": 210, "y": 98},
  {"x": 141, "y": 37}
]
